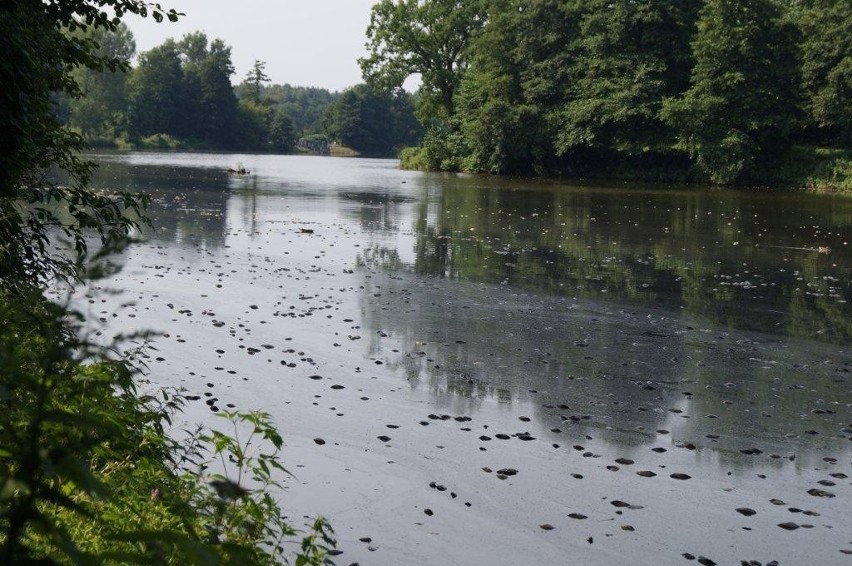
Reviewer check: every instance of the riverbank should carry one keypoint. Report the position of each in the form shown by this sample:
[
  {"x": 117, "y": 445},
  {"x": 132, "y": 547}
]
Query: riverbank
[{"x": 804, "y": 167}]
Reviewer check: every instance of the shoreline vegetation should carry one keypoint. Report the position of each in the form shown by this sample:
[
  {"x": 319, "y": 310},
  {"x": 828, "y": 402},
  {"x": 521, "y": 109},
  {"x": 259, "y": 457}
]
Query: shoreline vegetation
[
  {"x": 803, "y": 168},
  {"x": 93, "y": 466}
]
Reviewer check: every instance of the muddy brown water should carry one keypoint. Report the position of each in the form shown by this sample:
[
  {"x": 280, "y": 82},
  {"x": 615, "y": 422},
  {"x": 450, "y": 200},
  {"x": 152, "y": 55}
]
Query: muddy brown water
[{"x": 512, "y": 371}]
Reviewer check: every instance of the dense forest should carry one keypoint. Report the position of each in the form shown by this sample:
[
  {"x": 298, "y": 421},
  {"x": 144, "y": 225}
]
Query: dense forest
[
  {"x": 180, "y": 94},
  {"x": 702, "y": 90},
  {"x": 756, "y": 91}
]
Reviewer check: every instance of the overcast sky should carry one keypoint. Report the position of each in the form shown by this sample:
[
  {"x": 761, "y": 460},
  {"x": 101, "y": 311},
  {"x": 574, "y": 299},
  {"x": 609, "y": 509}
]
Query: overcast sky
[{"x": 304, "y": 42}]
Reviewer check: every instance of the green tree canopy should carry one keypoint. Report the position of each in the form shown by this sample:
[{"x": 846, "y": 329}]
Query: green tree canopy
[
  {"x": 372, "y": 122},
  {"x": 549, "y": 77},
  {"x": 213, "y": 113},
  {"x": 100, "y": 111},
  {"x": 304, "y": 105},
  {"x": 512, "y": 84},
  {"x": 827, "y": 67},
  {"x": 430, "y": 38},
  {"x": 183, "y": 89},
  {"x": 155, "y": 92},
  {"x": 742, "y": 101},
  {"x": 628, "y": 56},
  {"x": 675, "y": 90}
]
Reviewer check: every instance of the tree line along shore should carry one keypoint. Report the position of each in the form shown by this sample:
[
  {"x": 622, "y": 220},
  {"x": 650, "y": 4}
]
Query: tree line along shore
[{"x": 755, "y": 92}]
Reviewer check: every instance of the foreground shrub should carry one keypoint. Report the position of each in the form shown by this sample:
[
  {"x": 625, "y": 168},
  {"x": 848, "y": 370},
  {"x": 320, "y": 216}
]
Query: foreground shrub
[{"x": 89, "y": 473}]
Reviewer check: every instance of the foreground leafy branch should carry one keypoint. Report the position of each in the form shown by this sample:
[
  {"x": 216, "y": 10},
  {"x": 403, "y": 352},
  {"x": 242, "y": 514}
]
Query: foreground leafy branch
[{"x": 39, "y": 55}]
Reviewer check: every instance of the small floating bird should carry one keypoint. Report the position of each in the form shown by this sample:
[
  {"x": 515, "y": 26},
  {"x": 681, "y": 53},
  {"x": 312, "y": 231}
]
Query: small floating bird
[{"x": 819, "y": 249}]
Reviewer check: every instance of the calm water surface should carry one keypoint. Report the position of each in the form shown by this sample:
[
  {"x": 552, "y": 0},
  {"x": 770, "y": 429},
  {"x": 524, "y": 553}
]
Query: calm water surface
[{"x": 648, "y": 360}]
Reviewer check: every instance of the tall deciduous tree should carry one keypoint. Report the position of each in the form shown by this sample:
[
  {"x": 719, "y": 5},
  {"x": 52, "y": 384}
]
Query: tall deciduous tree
[
  {"x": 156, "y": 91},
  {"x": 741, "y": 104},
  {"x": 827, "y": 68},
  {"x": 100, "y": 110},
  {"x": 372, "y": 122},
  {"x": 629, "y": 55},
  {"x": 252, "y": 125},
  {"x": 215, "y": 108},
  {"x": 516, "y": 82},
  {"x": 430, "y": 38},
  {"x": 184, "y": 89},
  {"x": 550, "y": 76}
]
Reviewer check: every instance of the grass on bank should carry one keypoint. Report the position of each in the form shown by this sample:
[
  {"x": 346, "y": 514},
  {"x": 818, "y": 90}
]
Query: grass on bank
[{"x": 89, "y": 473}]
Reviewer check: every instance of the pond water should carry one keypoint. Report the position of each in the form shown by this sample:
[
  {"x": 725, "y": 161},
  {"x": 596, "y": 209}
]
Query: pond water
[{"x": 479, "y": 370}]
